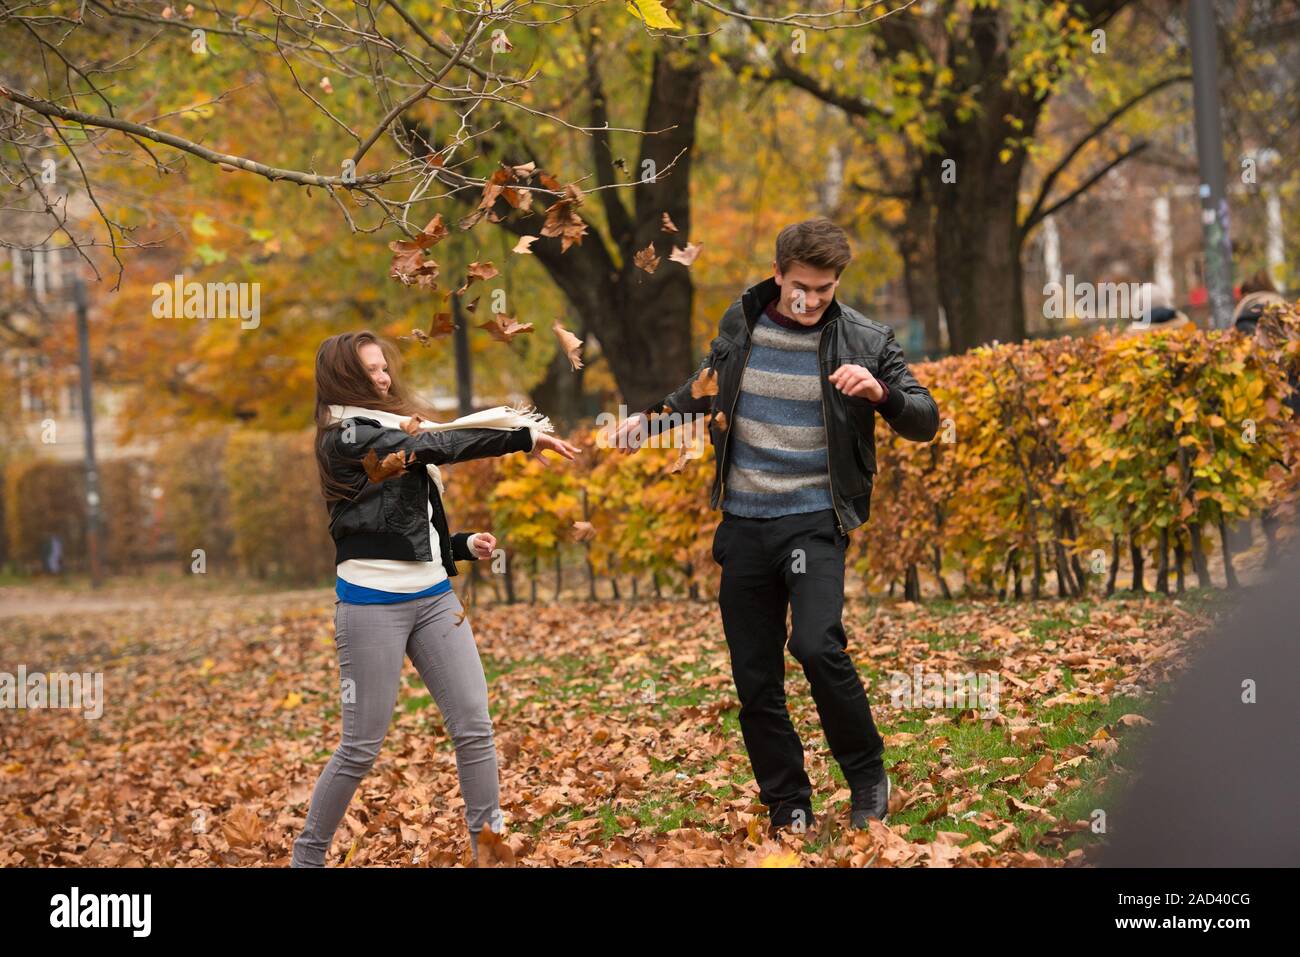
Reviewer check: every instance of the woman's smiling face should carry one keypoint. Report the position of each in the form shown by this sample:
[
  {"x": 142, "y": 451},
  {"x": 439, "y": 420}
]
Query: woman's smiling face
[{"x": 372, "y": 357}]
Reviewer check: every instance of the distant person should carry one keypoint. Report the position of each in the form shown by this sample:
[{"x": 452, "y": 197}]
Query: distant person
[
  {"x": 1252, "y": 307},
  {"x": 54, "y": 555},
  {"x": 1252, "y": 318},
  {"x": 1161, "y": 315}
]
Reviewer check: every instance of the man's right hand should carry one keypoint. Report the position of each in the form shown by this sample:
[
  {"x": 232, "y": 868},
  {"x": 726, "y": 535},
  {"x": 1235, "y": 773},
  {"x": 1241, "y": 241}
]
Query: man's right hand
[{"x": 626, "y": 438}]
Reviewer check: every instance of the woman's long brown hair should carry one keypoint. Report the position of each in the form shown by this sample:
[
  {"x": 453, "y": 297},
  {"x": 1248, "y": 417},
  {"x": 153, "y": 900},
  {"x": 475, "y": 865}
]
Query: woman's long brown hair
[{"x": 342, "y": 379}]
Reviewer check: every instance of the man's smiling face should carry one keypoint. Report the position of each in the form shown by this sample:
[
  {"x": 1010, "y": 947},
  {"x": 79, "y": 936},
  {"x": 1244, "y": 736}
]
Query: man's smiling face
[{"x": 806, "y": 291}]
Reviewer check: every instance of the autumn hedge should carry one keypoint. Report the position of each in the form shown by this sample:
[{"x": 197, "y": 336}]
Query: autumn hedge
[
  {"x": 1051, "y": 457},
  {"x": 1054, "y": 460}
]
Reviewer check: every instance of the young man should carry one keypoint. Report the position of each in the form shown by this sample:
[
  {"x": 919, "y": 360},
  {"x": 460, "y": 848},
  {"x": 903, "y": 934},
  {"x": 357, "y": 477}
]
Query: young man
[{"x": 800, "y": 378}]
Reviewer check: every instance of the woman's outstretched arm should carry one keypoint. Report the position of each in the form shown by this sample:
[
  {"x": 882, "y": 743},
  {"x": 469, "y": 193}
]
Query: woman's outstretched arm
[{"x": 358, "y": 436}]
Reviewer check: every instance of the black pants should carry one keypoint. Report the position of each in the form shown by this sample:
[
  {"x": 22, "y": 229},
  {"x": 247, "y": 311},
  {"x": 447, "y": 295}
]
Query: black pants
[{"x": 769, "y": 565}]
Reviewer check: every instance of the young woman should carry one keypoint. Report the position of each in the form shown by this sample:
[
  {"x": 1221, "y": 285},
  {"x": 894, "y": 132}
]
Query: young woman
[{"x": 394, "y": 558}]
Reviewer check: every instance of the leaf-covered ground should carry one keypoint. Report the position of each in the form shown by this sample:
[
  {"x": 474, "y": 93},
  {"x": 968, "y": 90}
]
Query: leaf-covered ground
[{"x": 616, "y": 729}]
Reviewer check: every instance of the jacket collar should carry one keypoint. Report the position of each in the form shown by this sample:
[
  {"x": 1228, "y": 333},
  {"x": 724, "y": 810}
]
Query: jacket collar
[{"x": 756, "y": 297}]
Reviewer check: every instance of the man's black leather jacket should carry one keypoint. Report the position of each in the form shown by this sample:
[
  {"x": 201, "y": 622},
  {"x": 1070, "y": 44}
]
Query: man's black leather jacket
[
  {"x": 391, "y": 519},
  {"x": 847, "y": 336}
]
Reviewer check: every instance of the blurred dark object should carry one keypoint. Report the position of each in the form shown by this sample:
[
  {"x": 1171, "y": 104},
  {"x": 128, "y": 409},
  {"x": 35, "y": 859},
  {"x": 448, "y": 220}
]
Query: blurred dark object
[
  {"x": 1216, "y": 782},
  {"x": 1251, "y": 309}
]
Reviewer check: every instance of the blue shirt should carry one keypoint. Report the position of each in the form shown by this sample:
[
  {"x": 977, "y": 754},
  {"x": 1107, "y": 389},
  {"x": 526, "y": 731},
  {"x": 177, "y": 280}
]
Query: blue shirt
[{"x": 360, "y": 595}]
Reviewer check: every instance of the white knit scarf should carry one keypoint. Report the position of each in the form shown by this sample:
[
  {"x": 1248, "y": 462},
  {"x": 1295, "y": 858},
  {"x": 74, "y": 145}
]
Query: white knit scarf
[{"x": 498, "y": 417}]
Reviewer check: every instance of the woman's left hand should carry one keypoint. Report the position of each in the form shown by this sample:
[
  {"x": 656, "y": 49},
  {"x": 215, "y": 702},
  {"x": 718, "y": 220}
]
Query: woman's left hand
[{"x": 484, "y": 544}]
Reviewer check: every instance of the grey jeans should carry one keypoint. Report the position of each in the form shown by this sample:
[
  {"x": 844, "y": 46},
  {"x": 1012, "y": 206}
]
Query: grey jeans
[{"x": 372, "y": 641}]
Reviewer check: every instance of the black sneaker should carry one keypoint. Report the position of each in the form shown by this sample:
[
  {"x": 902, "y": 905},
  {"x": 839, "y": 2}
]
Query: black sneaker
[
  {"x": 872, "y": 802},
  {"x": 795, "y": 821}
]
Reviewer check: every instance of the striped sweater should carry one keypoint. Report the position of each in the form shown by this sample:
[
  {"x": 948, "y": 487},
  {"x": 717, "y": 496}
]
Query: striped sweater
[{"x": 778, "y": 460}]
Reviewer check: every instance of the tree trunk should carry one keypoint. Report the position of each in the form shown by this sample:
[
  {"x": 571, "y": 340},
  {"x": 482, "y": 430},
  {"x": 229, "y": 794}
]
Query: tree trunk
[
  {"x": 1162, "y": 569},
  {"x": 1180, "y": 557},
  {"x": 1229, "y": 573},
  {"x": 509, "y": 577},
  {"x": 914, "y": 239},
  {"x": 1038, "y": 571},
  {"x": 1072, "y": 529},
  {"x": 1199, "y": 564},
  {"x": 938, "y": 573},
  {"x": 977, "y": 229},
  {"x": 1113, "y": 572},
  {"x": 912, "y": 585},
  {"x": 1135, "y": 555},
  {"x": 633, "y": 314}
]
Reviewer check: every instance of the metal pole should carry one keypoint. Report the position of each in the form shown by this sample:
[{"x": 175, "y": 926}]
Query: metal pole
[
  {"x": 1209, "y": 152},
  {"x": 88, "y": 429},
  {"x": 464, "y": 370}
]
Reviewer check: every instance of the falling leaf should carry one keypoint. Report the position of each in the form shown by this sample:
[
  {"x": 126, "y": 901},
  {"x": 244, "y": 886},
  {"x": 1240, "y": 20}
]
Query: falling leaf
[
  {"x": 411, "y": 426},
  {"x": 686, "y": 256},
  {"x": 291, "y": 701},
  {"x": 689, "y": 451},
  {"x": 478, "y": 271},
  {"x": 706, "y": 383},
  {"x": 561, "y": 220},
  {"x": 525, "y": 245},
  {"x": 440, "y": 326},
  {"x": 394, "y": 463},
  {"x": 583, "y": 531},
  {"x": 503, "y": 328},
  {"x": 666, "y": 224},
  {"x": 646, "y": 259},
  {"x": 326, "y": 85},
  {"x": 409, "y": 265},
  {"x": 571, "y": 345},
  {"x": 433, "y": 233}
]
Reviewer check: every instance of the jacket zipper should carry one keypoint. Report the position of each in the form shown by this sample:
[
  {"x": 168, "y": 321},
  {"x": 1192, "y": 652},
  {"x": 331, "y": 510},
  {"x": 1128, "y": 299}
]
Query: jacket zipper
[
  {"x": 826, "y": 429},
  {"x": 731, "y": 419}
]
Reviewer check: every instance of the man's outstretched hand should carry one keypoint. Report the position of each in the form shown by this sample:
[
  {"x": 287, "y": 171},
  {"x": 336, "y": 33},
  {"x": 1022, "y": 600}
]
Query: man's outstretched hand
[
  {"x": 627, "y": 437},
  {"x": 857, "y": 381}
]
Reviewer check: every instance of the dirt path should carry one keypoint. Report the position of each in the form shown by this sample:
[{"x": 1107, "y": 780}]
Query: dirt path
[{"x": 29, "y": 601}]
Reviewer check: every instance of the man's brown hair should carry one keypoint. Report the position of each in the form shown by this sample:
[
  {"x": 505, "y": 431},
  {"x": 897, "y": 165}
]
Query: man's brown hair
[{"x": 814, "y": 242}]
